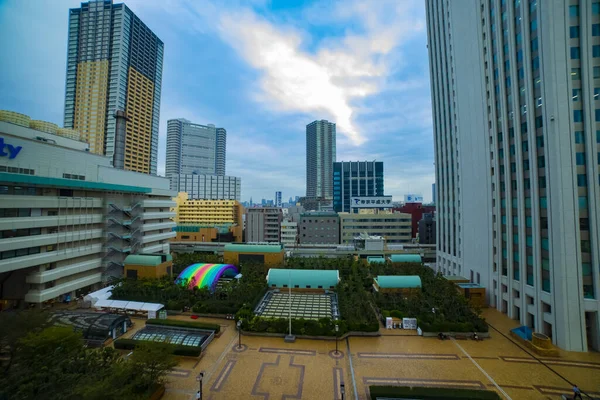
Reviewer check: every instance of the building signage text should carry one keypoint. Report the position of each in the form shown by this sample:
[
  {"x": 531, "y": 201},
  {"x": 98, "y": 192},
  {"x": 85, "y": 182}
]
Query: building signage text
[{"x": 8, "y": 150}]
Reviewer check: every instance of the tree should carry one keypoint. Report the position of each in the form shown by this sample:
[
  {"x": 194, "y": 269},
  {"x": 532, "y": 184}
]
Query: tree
[
  {"x": 153, "y": 361},
  {"x": 16, "y": 325}
]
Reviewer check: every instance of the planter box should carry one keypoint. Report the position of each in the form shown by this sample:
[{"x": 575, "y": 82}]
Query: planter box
[{"x": 482, "y": 335}]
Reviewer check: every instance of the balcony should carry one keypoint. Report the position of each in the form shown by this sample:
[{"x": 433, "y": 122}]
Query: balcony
[
  {"x": 49, "y": 202},
  {"x": 158, "y": 215},
  {"x": 158, "y": 203},
  {"x": 32, "y": 260},
  {"x": 38, "y": 296},
  {"x": 46, "y": 221},
  {"x": 158, "y": 236},
  {"x": 158, "y": 225},
  {"x": 61, "y": 272},
  {"x": 52, "y": 238}
]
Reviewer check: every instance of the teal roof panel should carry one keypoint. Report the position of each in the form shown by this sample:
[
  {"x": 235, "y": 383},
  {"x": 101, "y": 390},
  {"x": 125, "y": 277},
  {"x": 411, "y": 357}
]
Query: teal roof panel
[
  {"x": 406, "y": 258},
  {"x": 376, "y": 260},
  {"x": 398, "y": 281},
  {"x": 303, "y": 278}
]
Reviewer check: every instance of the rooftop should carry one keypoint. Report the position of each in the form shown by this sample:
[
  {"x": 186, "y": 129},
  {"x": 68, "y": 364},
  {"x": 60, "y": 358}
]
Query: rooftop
[{"x": 398, "y": 281}]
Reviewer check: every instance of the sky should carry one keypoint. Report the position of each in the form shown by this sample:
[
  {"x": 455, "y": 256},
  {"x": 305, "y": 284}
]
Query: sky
[{"x": 263, "y": 70}]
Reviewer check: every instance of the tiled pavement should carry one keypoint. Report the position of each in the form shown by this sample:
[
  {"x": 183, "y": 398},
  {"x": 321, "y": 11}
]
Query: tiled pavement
[{"x": 268, "y": 368}]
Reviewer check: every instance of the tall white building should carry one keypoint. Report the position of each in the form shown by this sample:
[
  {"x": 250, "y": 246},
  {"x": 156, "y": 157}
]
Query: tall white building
[
  {"x": 68, "y": 218},
  {"x": 289, "y": 232},
  {"x": 515, "y": 88},
  {"x": 320, "y": 156},
  {"x": 207, "y": 187},
  {"x": 194, "y": 148}
]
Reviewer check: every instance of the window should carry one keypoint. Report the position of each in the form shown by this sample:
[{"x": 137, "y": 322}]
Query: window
[
  {"x": 577, "y": 115},
  {"x": 575, "y": 53},
  {"x": 583, "y": 202},
  {"x": 574, "y": 11},
  {"x": 576, "y": 95},
  {"x": 581, "y": 180},
  {"x": 542, "y": 182},
  {"x": 533, "y": 25},
  {"x": 579, "y": 137},
  {"x": 528, "y": 222},
  {"x": 596, "y": 72},
  {"x": 535, "y": 63},
  {"x": 595, "y": 29},
  {"x": 543, "y": 202},
  {"x": 596, "y": 8},
  {"x": 596, "y": 93},
  {"x": 539, "y": 142},
  {"x": 574, "y": 32},
  {"x": 596, "y": 50},
  {"x": 580, "y": 158},
  {"x": 541, "y": 162}
]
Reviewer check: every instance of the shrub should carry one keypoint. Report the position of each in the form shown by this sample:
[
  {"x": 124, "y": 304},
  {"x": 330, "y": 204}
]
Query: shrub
[
  {"x": 385, "y": 314},
  {"x": 431, "y": 393},
  {"x": 185, "y": 324},
  {"x": 178, "y": 350},
  {"x": 396, "y": 314}
]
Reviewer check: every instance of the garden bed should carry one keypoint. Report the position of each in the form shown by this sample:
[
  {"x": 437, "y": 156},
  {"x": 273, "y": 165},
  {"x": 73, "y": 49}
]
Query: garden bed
[{"x": 431, "y": 393}]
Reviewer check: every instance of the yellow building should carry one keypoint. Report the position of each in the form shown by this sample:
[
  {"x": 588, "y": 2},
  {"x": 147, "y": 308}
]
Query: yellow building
[
  {"x": 208, "y": 220},
  {"x": 138, "y": 266}
]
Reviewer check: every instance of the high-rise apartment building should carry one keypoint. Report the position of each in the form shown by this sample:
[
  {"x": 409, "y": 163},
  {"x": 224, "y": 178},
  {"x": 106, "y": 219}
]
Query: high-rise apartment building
[
  {"x": 320, "y": 156},
  {"x": 355, "y": 179},
  {"x": 194, "y": 148},
  {"x": 114, "y": 63},
  {"x": 514, "y": 93},
  {"x": 278, "y": 199},
  {"x": 208, "y": 187}
]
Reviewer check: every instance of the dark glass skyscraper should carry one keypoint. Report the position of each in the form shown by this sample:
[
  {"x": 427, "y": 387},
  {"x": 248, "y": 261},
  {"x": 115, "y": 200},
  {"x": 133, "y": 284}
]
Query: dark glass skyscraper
[
  {"x": 114, "y": 62},
  {"x": 355, "y": 179}
]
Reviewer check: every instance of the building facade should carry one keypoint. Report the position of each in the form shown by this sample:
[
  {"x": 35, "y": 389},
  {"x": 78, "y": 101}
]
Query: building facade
[
  {"x": 68, "y": 219},
  {"x": 114, "y": 63},
  {"x": 207, "y": 187},
  {"x": 195, "y": 149},
  {"x": 263, "y": 224},
  {"x": 289, "y": 232},
  {"x": 393, "y": 227},
  {"x": 416, "y": 210},
  {"x": 200, "y": 220},
  {"x": 278, "y": 202},
  {"x": 526, "y": 194},
  {"x": 427, "y": 229},
  {"x": 355, "y": 179},
  {"x": 320, "y": 156},
  {"x": 319, "y": 227}
]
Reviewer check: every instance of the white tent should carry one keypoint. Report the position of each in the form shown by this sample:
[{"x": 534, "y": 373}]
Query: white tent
[
  {"x": 150, "y": 308},
  {"x": 102, "y": 294}
]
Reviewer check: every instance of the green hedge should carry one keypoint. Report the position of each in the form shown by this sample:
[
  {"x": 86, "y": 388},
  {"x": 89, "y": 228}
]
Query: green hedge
[
  {"x": 178, "y": 350},
  {"x": 430, "y": 393},
  {"x": 453, "y": 327},
  {"x": 185, "y": 324},
  {"x": 300, "y": 326}
]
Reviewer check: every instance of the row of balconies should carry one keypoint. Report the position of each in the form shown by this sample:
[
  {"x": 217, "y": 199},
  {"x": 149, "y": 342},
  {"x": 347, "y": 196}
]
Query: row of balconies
[{"x": 49, "y": 221}]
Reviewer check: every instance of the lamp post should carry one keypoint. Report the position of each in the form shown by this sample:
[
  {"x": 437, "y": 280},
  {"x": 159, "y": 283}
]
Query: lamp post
[
  {"x": 199, "y": 379},
  {"x": 337, "y": 328},
  {"x": 239, "y": 326},
  {"x": 342, "y": 390}
]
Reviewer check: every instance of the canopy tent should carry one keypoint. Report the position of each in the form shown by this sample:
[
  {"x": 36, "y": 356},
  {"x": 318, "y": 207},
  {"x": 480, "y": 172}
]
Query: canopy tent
[
  {"x": 128, "y": 305},
  {"x": 102, "y": 294}
]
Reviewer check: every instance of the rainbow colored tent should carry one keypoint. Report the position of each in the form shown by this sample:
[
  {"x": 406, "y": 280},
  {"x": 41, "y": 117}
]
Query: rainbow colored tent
[{"x": 205, "y": 275}]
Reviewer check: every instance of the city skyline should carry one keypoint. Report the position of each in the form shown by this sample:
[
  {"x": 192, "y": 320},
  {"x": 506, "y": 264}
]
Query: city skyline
[{"x": 380, "y": 104}]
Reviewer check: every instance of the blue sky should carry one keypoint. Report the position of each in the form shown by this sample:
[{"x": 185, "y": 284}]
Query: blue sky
[{"x": 262, "y": 70}]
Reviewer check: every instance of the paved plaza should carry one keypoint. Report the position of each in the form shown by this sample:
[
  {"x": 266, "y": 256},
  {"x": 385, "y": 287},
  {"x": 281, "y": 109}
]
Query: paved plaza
[{"x": 267, "y": 368}]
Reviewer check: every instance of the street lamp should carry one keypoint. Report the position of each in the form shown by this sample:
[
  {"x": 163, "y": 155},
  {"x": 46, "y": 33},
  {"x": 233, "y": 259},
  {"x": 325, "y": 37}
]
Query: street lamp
[
  {"x": 337, "y": 328},
  {"x": 342, "y": 390},
  {"x": 239, "y": 326},
  {"x": 199, "y": 379}
]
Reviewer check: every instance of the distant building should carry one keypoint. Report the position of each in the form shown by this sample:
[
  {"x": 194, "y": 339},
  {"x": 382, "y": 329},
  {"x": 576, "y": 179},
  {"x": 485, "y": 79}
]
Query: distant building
[
  {"x": 319, "y": 228},
  {"x": 289, "y": 232},
  {"x": 427, "y": 229},
  {"x": 268, "y": 254},
  {"x": 263, "y": 224},
  {"x": 320, "y": 156},
  {"x": 394, "y": 227},
  {"x": 207, "y": 187},
  {"x": 277, "y": 199},
  {"x": 194, "y": 148},
  {"x": 356, "y": 179},
  {"x": 114, "y": 63},
  {"x": 416, "y": 211},
  {"x": 208, "y": 220}
]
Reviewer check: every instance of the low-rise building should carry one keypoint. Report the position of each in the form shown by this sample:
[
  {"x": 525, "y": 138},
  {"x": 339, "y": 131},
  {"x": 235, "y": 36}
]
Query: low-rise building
[
  {"x": 394, "y": 227},
  {"x": 68, "y": 219},
  {"x": 319, "y": 227},
  {"x": 208, "y": 220},
  {"x": 289, "y": 232},
  {"x": 263, "y": 224},
  {"x": 315, "y": 280},
  {"x": 148, "y": 266},
  {"x": 405, "y": 285},
  {"x": 265, "y": 253}
]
